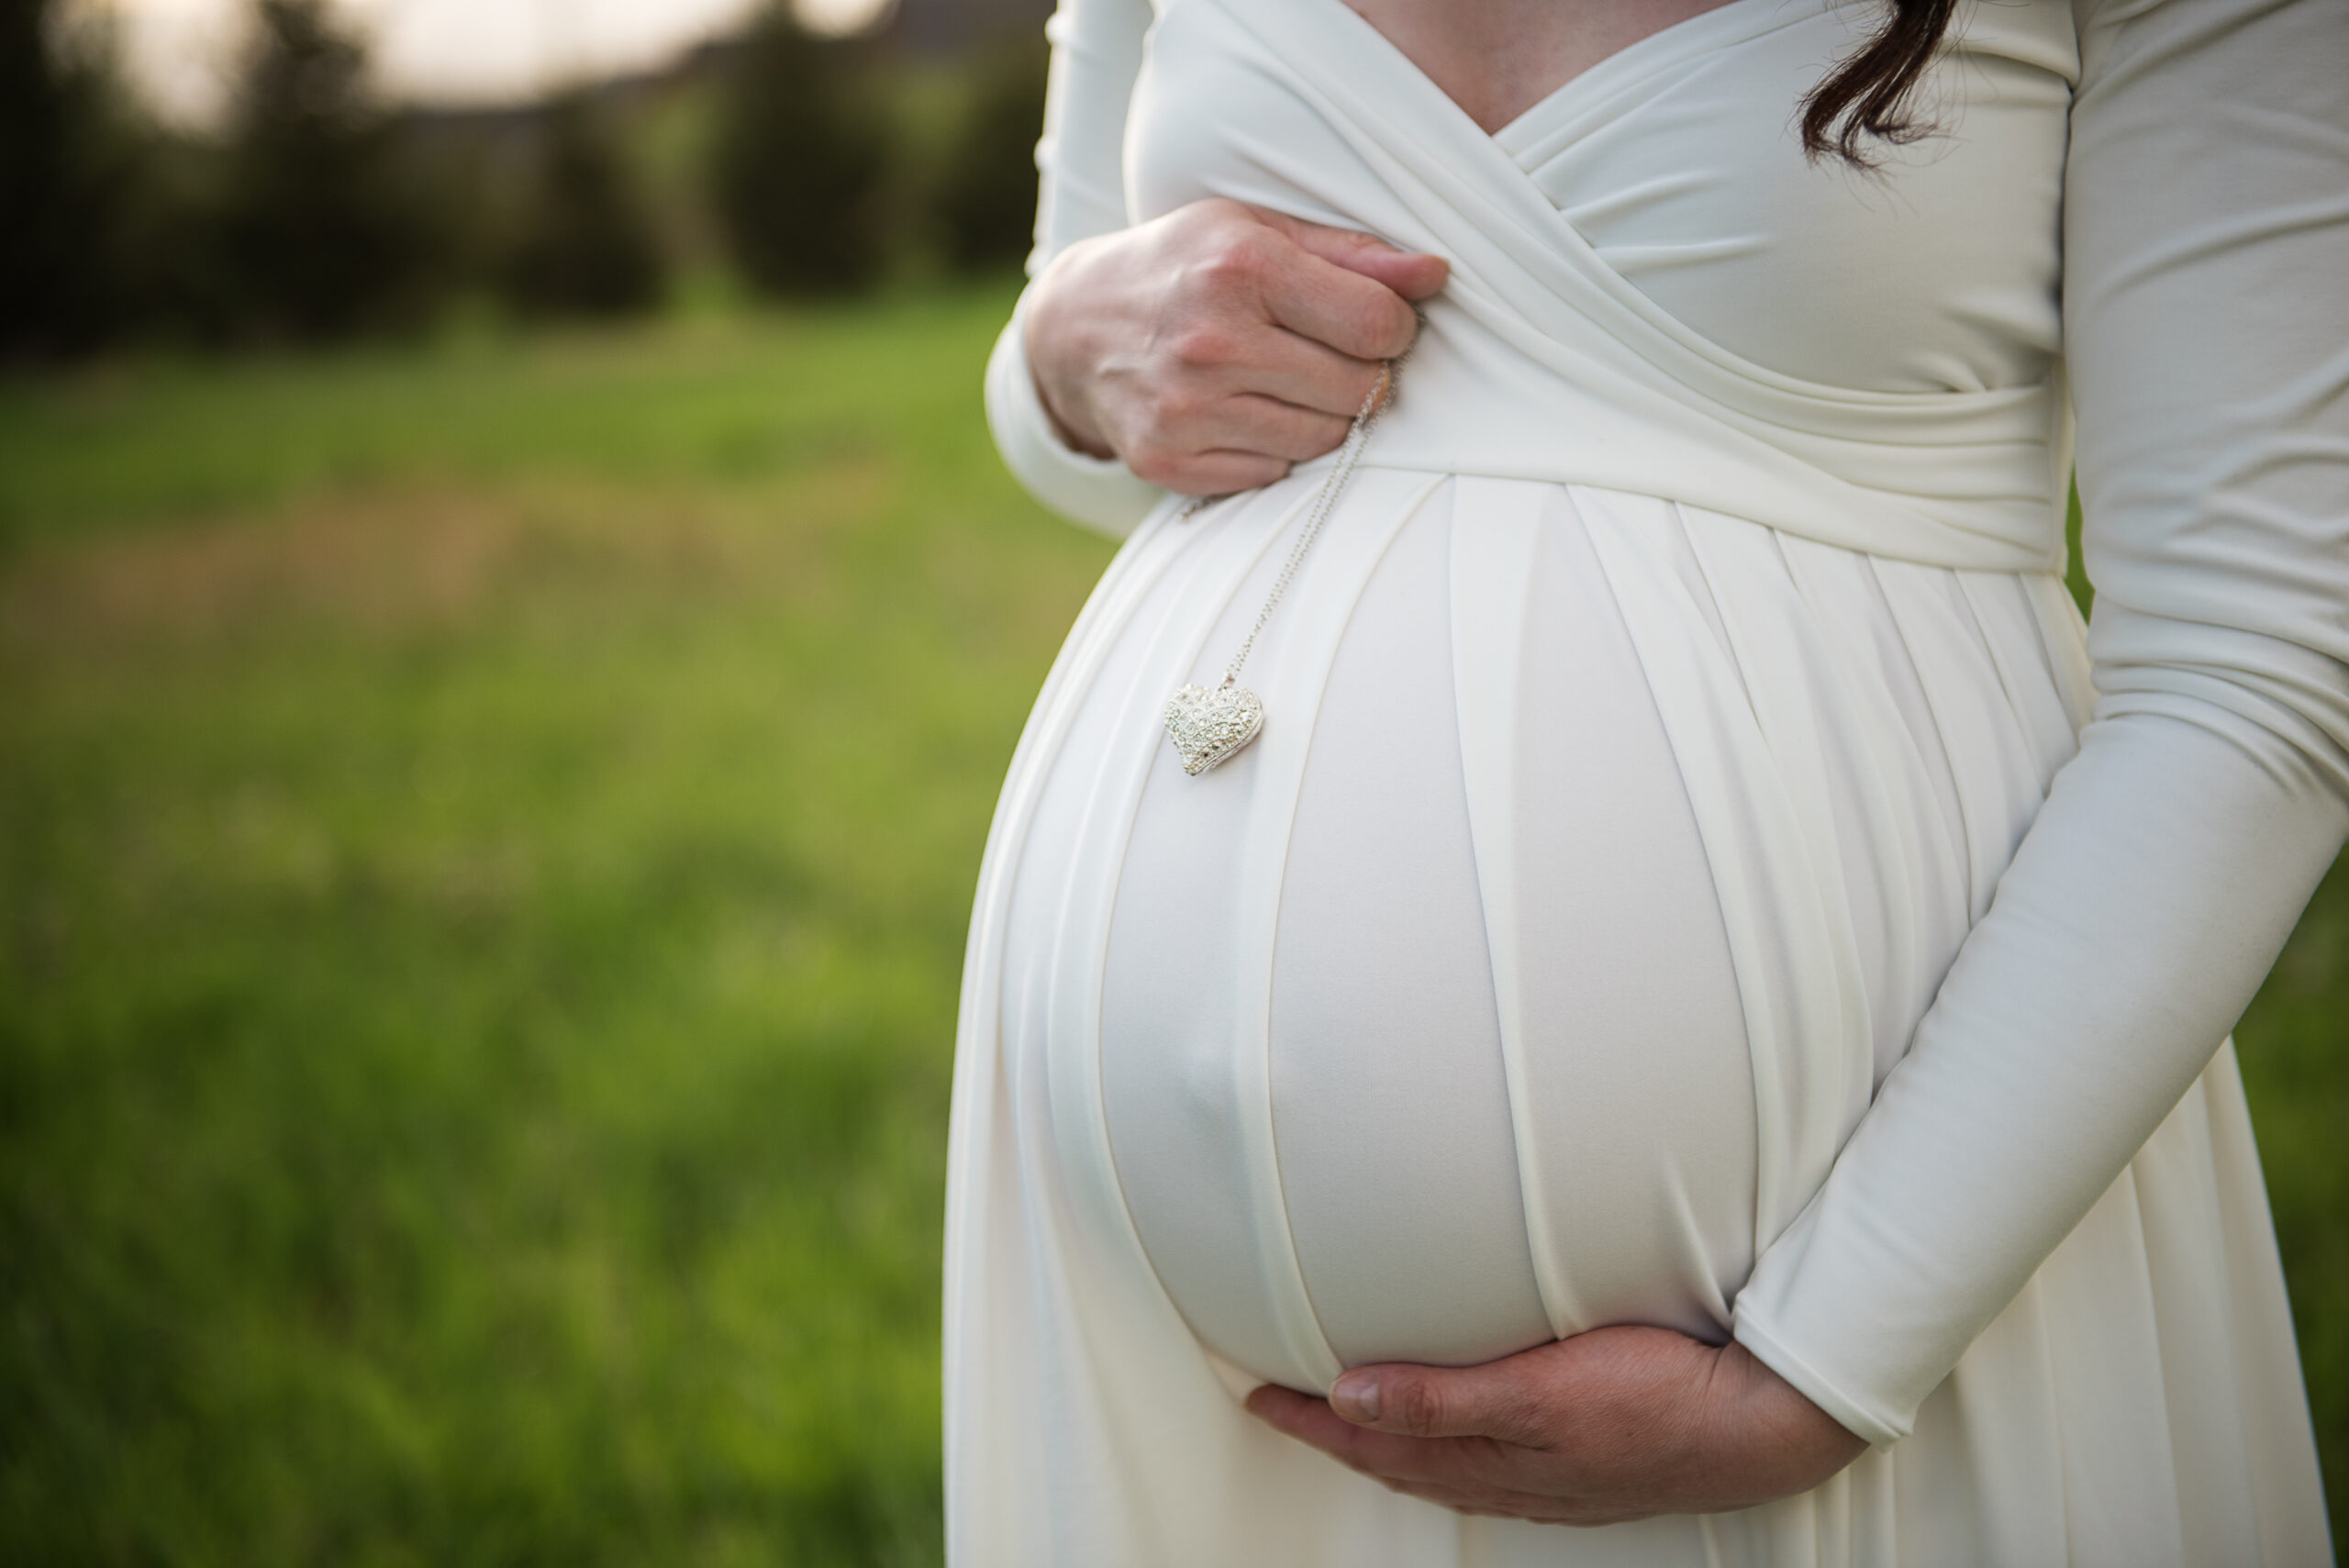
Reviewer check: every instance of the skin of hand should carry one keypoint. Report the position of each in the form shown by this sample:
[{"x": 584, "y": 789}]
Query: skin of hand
[
  {"x": 1616, "y": 1424},
  {"x": 1212, "y": 348}
]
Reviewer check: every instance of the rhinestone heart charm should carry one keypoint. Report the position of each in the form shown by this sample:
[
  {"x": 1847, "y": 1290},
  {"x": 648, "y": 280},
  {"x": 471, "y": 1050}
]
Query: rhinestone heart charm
[{"x": 1208, "y": 725}]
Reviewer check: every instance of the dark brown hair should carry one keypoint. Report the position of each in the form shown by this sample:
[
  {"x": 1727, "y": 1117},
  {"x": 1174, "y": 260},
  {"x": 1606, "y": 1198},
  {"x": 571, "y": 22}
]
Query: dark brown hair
[{"x": 1869, "y": 96}]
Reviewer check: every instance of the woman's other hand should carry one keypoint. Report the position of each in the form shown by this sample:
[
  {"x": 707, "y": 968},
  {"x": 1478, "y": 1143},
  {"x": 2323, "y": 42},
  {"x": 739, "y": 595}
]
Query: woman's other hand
[
  {"x": 1212, "y": 348},
  {"x": 1615, "y": 1424}
]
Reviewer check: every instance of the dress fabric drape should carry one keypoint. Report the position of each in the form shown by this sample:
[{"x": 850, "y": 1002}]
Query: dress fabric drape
[{"x": 1646, "y": 733}]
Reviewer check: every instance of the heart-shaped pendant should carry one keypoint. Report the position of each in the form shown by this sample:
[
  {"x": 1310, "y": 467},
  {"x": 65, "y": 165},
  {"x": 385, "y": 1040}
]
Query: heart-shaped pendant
[{"x": 1208, "y": 725}]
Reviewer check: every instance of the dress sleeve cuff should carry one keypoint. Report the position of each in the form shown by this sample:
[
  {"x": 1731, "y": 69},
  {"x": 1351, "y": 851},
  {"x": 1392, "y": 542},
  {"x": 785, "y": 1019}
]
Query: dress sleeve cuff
[
  {"x": 1878, "y": 1427},
  {"x": 1100, "y": 493}
]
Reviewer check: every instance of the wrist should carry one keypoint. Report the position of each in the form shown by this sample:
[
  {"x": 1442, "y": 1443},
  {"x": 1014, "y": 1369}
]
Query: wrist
[
  {"x": 1044, "y": 334},
  {"x": 1803, "y": 1443}
]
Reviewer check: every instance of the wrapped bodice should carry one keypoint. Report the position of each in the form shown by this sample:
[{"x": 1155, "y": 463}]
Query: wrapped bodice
[{"x": 1652, "y": 289}]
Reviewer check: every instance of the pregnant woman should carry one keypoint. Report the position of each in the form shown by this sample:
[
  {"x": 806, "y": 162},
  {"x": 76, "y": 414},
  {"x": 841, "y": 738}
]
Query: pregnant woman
[{"x": 1700, "y": 1012}]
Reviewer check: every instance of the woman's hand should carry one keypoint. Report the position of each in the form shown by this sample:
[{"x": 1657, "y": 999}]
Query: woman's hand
[
  {"x": 1615, "y": 1424},
  {"x": 1211, "y": 349}
]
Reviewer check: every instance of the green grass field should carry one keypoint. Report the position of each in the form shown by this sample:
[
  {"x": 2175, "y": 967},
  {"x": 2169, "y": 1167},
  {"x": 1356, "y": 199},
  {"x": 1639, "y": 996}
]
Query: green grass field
[{"x": 485, "y": 835}]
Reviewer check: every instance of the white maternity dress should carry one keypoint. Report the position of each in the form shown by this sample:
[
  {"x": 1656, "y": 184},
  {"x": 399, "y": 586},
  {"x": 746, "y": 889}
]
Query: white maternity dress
[{"x": 1674, "y": 883}]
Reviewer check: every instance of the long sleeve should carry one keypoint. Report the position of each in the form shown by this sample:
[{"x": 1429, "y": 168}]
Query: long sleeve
[
  {"x": 1097, "y": 54},
  {"x": 2206, "y": 330}
]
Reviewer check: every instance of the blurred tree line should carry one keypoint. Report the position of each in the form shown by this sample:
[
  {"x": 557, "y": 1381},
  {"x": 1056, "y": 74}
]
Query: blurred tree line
[{"x": 314, "y": 212}]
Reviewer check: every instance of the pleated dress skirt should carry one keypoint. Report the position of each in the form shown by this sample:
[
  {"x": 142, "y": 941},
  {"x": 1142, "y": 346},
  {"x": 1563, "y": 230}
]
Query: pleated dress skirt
[{"x": 1424, "y": 1028}]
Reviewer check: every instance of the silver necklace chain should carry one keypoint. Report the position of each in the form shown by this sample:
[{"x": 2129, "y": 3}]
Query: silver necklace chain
[
  {"x": 1210, "y": 727},
  {"x": 1325, "y": 501}
]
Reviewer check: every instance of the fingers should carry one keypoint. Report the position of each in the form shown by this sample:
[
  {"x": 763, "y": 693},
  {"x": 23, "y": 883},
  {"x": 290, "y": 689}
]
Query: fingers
[
  {"x": 1229, "y": 443},
  {"x": 1502, "y": 1399},
  {"x": 1417, "y": 1461},
  {"x": 1354, "y": 315},
  {"x": 1467, "y": 1475},
  {"x": 1252, "y": 422},
  {"x": 1618, "y": 1422},
  {"x": 1414, "y": 274},
  {"x": 1216, "y": 352},
  {"x": 1249, "y": 256},
  {"x": 1220, "y": 471},
  {"x": 1313, "y": 376},
  {"x": 1211, "y": 349}
]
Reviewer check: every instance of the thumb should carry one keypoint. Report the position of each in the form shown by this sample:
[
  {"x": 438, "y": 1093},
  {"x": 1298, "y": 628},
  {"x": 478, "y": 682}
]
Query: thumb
[
  {"x": 1414, "y": 274},
  {"x": 1489, "y": 1401}
]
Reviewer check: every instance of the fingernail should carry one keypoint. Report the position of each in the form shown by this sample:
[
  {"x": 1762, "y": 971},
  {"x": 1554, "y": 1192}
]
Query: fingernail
[{"x": 1356, "y": 1397}]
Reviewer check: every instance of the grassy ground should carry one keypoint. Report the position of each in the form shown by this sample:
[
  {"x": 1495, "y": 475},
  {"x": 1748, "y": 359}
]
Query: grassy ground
[
  {"x": 484, "y": 839},
  {"x": 487, "y": 838}
]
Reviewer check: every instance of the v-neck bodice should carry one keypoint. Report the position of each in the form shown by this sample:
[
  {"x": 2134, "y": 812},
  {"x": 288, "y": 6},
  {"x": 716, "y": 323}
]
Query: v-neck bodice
[
  {"x": 1707, "y": 32},
  {"x": 1651, "y": 287},
  {"x": 1676, "y": 160}
]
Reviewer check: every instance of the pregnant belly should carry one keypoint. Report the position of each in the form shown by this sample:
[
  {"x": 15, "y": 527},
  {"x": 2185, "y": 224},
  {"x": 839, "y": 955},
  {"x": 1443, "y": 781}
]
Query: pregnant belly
[
  {"x": 1389, "y": 1097},
  {"x": 1427, "y": 1029}
]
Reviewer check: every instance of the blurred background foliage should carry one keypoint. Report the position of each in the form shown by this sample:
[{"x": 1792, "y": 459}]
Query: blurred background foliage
[
  {"x": 801, "y": 162},
  {"x": 508, "y": 641},
  {"x": 792, "y": 164},
  {"x": 486, "y": 831}
]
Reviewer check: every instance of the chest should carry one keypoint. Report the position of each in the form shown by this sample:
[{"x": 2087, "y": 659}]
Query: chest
[
  {"x": 1674, "y": 159},
  {"x": 1497, "y": 59}
]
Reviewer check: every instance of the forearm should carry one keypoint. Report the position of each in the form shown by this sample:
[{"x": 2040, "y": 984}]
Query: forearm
[
  {"x": 2206, "y": 310},
  {"x": 2140, "y": 914},
  {"x": 1096, "y": 53}
]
